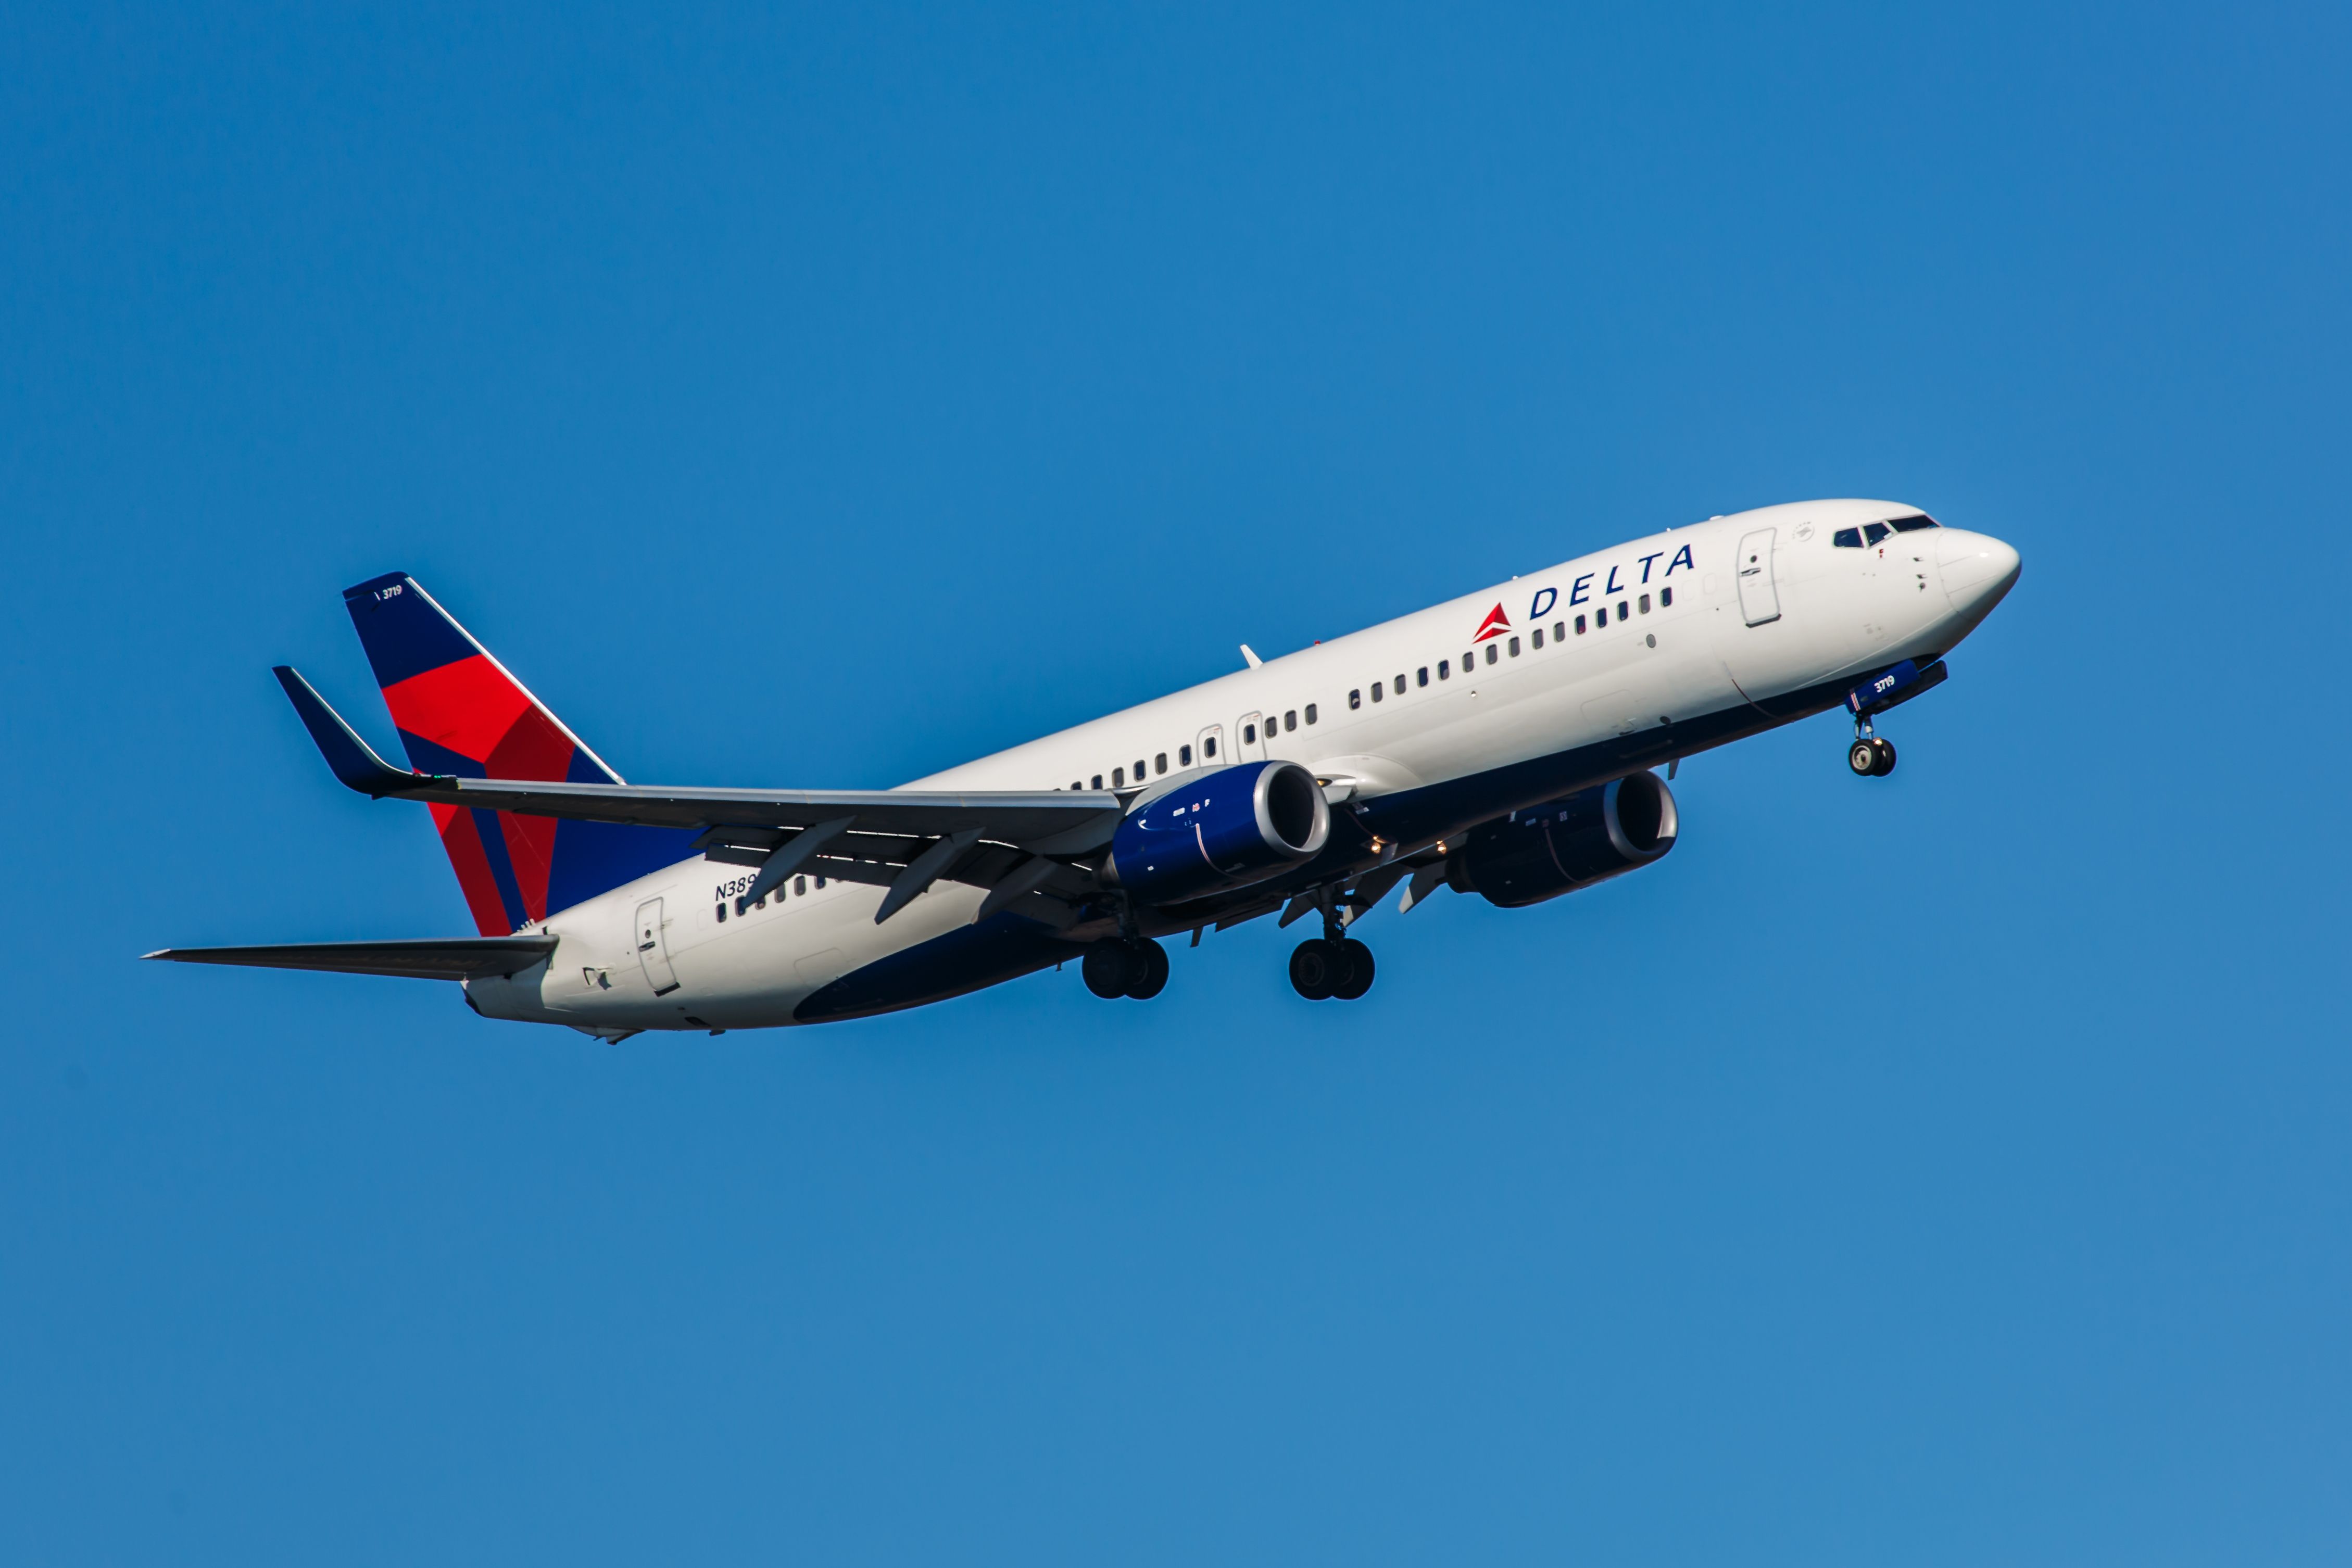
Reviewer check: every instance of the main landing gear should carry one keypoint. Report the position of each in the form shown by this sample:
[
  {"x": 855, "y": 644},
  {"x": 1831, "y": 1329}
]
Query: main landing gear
[
  {"x": 1332, "y": 966},
  {"x": 1872, "y": 756},
  {"x": 1136, "y": 967}
]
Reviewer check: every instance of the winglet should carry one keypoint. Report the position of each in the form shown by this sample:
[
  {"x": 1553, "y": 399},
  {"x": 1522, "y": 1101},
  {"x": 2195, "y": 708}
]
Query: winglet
[{"x": 353, "y": 760}]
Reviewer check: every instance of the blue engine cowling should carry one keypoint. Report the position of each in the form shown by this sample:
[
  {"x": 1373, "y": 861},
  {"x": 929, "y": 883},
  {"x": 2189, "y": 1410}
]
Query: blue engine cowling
[
  {"x": 1592, "y": 835},
  {"x": 1225, "y": 829}
]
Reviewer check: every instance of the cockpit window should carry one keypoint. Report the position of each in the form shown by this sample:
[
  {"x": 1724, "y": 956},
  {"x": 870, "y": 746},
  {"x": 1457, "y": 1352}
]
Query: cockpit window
[
  {"x": 1916, "y": 520},
  {"x": 1873, "y": 532},
  {"x": 1847, "y": 538}
]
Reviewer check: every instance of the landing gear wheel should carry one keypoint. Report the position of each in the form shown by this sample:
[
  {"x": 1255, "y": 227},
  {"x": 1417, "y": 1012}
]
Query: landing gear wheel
[
  {"x": 1313, "y": 968},
  {"x": 1355, "y": 976},
  {"x": 1862, "y": 758},
  {"x": 1150, "y": 970},
  {"x": 1111, "y": 968},
  {"x": 1885, "y": 749}
]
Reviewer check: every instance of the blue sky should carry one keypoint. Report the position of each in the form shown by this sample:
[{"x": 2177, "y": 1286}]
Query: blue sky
[{"x": 1945, "y": 1169}]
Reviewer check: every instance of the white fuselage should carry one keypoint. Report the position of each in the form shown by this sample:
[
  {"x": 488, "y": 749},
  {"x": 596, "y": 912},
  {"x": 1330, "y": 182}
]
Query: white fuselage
[{"x": 1417, "y": 701}]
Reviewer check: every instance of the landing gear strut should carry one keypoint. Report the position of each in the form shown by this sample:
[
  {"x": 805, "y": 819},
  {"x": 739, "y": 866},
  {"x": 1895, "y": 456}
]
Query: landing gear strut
[
  {"x": 1136, "y": 966},
  {"x": 1871, "y": 755}
]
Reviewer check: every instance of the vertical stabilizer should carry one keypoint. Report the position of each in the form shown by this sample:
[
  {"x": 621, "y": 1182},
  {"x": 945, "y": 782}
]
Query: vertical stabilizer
[{"x": 459, "y": 711}]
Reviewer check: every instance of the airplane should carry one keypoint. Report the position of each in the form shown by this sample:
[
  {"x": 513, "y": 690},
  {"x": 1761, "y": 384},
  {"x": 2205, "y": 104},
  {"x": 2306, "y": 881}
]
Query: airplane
[{"x": 1504, "y": 743}]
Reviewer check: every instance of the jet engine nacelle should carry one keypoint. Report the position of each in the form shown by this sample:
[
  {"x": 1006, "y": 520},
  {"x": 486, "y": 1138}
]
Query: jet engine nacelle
[
  {"x": 1225, "y": 829},
  {"x": 1542, "y": 852}
]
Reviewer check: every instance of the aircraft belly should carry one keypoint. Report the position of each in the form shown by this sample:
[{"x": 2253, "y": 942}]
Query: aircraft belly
[
  {"x": 748, "y": 971},
  {"x": 757, "y": 972}
]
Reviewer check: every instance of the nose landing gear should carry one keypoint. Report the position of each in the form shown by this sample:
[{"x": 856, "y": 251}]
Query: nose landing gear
[{"x": 1872, "y": 756}]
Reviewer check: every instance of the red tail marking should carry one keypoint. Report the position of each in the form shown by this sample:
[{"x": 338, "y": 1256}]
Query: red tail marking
[
  {"x": 473, "y": 867},
  {"x": 466, "y": 707}
]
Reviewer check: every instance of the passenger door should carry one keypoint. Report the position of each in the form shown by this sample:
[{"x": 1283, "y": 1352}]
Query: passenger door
[
  {"x": 653, "y": 948},
  {"x": 1759, "y": 600}
]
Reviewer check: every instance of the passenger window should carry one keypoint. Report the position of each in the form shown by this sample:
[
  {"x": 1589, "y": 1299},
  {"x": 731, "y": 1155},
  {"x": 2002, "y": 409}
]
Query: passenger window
[
  {"x": 1492, "y": 653},
  {"x": 1209, "y": 746},
  {"x": 1580, "y": 625},
  {"x": 1098, "y": 785},
  {"x": 721, "y": 915},
  {"x": 1249, "y": 735},
  {"x": 1310, "y": 714},
  {"x": 1535, "y": 638},
  {"x": 1443, "y": 667},
  {"x": 1847, "y": 538},
  {"x": 1665, "y": 597},
  {"x": 1620, "y": 609},
  {"x": 1290, "y": 720},
  {"x": 1601, "y": 616},
  {"x": 800, "y": 886},
  {"x": 1424, "y": 674},
  {"x": 1158, "y": 762},
  {"x": 1915, "y": 521},
  {"x": 1355, "y": 699},
  {"x": 1469, "y": 660},
  {"x": 1118, "y": 778},
  {"x": 1140, "y": 775},
  {"x": 1514, "y": 647},
  {"x": 1400, "y": 685},
  {"x": 1558, "y": 631},
  {"x": 1183, "y": 757},
  {"x": 1376, "y": 691},
  {"x": 1646, "y": 604},
  {"x": 1873, "y": 532},
  {"x": 819, "y": 884}
]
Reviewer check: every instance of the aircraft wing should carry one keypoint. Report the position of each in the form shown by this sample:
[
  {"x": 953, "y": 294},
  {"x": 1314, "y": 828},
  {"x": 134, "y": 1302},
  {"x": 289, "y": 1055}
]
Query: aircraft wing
[
  {"x": 1064, "y": 822},
  {"x": 457, "y": 958},
  {"x": 1052, "y": 822},
  {"x": 902, "y": 839}
]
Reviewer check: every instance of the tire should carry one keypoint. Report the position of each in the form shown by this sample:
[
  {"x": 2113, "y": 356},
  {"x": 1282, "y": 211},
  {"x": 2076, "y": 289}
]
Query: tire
[
  {"x": 1356, "y": 969},
  {"x": 1863, "y": 760},
  {"x": 1150, "y": 970},
  {"x": 1311, "y": 969},
  {"x": 1110, "y": 969},
  {"x": 1885, "y": 758}
]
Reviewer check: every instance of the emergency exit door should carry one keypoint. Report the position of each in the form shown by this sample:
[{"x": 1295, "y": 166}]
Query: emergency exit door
[
  {"x": 1759, "y": 601},
  {"x": 653, "y": 948},
  {"x": 1249, "y": 739}
]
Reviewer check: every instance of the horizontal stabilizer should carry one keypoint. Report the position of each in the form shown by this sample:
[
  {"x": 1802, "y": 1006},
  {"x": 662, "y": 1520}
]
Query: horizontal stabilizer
[{"x": 454, "y": 958}]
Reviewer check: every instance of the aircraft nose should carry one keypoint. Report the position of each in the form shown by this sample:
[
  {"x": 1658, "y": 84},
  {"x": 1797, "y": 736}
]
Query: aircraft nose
[{"x": 1977, "y": 569}]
